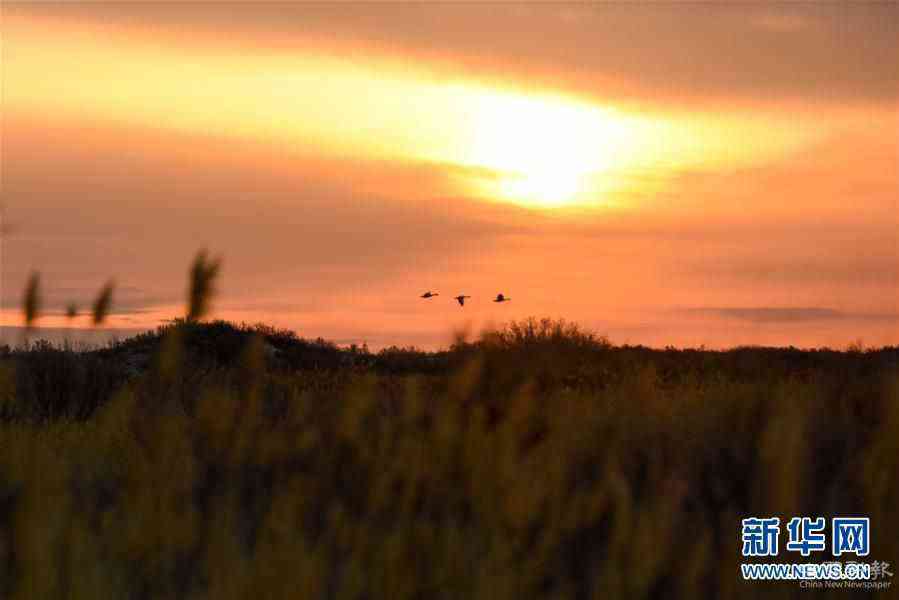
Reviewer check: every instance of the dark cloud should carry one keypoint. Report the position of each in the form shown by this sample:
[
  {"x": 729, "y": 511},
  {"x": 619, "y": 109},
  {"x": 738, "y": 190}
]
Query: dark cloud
[
  {"x": 768, "y": 314},
  {"x": 813, "y": 51},
  {"x": 831, "y": 267}
]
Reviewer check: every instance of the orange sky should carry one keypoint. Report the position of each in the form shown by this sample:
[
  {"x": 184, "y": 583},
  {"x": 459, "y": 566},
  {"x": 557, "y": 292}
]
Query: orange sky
[{"x": 666, "y": 175}]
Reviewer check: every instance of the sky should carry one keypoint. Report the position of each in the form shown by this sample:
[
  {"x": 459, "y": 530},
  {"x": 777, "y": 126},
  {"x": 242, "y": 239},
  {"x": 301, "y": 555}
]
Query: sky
[{"x": 664, "y": 174}]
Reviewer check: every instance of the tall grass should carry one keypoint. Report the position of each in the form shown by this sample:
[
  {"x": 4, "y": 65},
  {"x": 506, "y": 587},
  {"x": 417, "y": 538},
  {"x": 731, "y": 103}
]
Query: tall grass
[
  {"x": 203, "y": 274},
  {"x": 31, "y": 301},
  {"x": 537, "y": 462},
  {"x": 103, "y": 304}
]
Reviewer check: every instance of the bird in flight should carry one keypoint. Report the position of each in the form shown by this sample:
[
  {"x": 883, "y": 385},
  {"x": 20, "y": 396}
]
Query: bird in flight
[
  {"x": 461, "y": 300},
  {"x": 429, "y": 294},
  {"x": 501, "y": 298}
]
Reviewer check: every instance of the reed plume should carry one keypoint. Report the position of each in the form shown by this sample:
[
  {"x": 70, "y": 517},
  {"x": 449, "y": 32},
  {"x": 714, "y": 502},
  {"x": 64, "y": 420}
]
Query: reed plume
[
  {"x": 103, "y": 303},
  {"x": 32, "y": 300},
  {"x": 203, "y": 273}
]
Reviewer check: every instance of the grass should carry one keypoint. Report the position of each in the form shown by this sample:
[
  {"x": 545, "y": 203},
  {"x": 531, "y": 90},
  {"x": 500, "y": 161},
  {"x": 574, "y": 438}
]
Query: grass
[
  {"x": 212, "y": 460},
  {"x": 538, "y": 462}
]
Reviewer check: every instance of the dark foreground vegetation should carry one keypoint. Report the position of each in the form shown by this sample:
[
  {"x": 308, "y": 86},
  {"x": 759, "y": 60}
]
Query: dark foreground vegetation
[{"x": 215, "y": 461}]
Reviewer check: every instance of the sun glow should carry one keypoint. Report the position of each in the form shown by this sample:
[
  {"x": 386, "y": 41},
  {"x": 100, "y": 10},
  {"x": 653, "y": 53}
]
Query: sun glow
[
  {"x": 546, "y": 150},
  {"x": 520, "y": 144}
]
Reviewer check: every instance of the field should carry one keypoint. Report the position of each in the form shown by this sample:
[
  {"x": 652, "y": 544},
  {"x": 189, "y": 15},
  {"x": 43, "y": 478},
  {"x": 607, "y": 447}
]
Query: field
[{"x": 218, "y": 461}]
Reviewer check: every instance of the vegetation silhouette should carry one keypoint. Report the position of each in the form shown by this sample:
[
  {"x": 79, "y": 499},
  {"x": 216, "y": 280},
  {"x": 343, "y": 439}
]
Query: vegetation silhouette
[
  {"x": 71, "y": 311},
  {"x": 103, "y": 304},
  {"x": 202, "y": 285},
  {"x": 31, "y": 303},
  {"x": 214, "y": 460}
]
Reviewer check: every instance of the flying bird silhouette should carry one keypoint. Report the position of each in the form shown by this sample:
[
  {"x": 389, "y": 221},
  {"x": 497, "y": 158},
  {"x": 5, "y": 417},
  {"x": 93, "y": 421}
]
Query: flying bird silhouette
[
  {"x": 501, "y": 298},
  {"x": 461, "y": 300},
  {"x": 429, "y": 294}
]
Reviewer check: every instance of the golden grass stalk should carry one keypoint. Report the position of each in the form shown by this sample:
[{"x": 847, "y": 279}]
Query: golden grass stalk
[
  {"x": 203, "y": 273},
  {"x": 32, "y": 300},
  {"x": 103, "y": 303}
]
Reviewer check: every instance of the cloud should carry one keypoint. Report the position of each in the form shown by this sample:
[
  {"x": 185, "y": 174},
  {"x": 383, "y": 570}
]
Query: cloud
[
  {"x": 295, "y": 232},
  {"x": 830, "y": 266},
  {"x": 781, "y": 22},
  {"x": 814, "y": 52},
  {"x": 341, "y": 246},
  {"x": 770, "y": 314}
]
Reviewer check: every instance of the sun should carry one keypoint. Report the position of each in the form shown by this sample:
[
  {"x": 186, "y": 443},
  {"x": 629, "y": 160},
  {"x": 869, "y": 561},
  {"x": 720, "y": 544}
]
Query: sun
[
  {"x": 545, "y": 151},
  {"x": 548, "y": 188}
]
